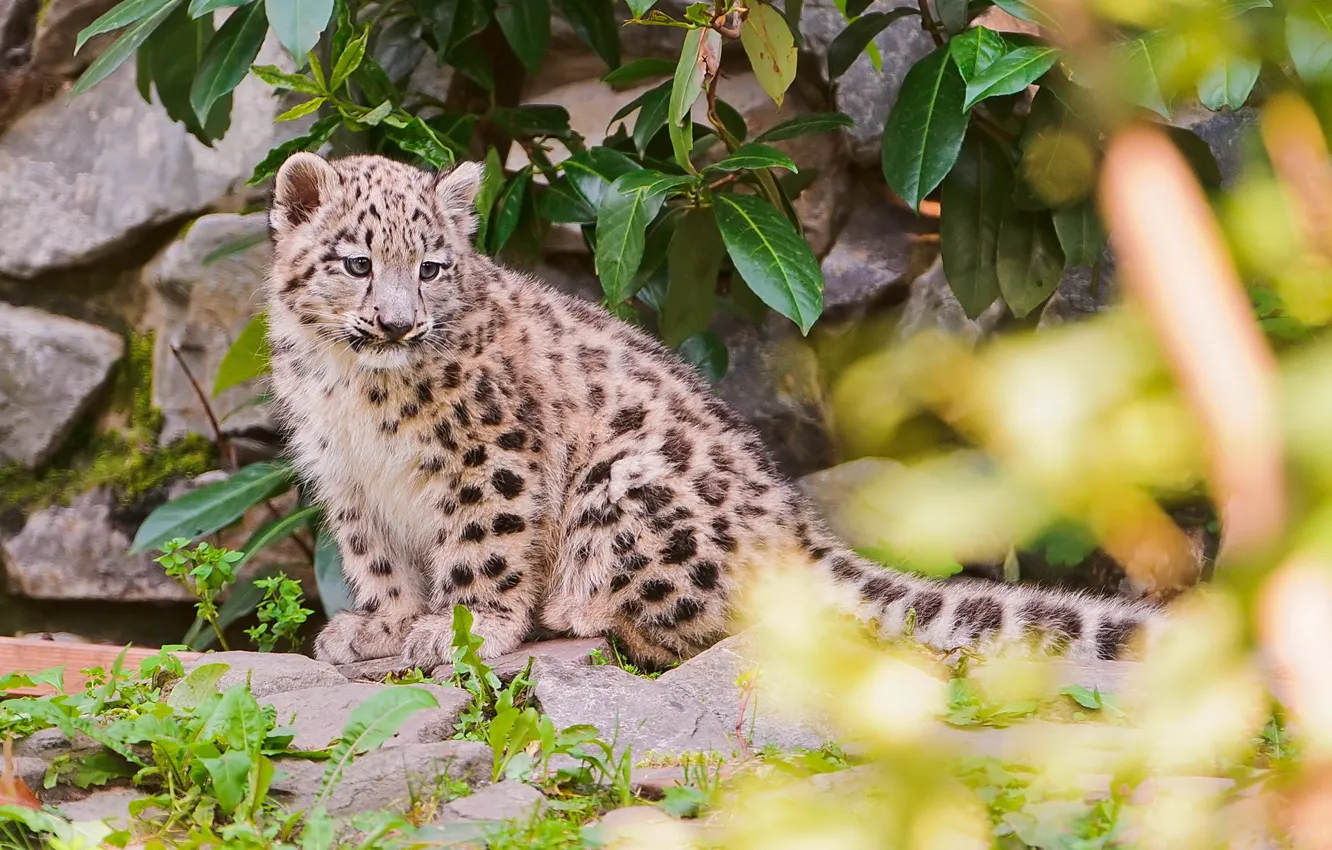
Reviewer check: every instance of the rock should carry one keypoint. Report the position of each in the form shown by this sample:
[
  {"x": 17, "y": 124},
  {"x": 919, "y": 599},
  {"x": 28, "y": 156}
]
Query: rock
[
  {"x": 1077, "y": 298},
  {"x": 81, "y": 179},
  {"x": 636, "y": 713},
  {"x": 877, "y": 253},
  {"x": 49, "y": 744},
  {"x": 53, "y": 370},
  {"x": 574, "y": 651},
  {"x": 708, "y": 679},
  {"x": 111, "y": 805},
  {"x": 642, "y": 826},
  {"x": 79, "y": 552},
  {"x": 388, "y": 778},
  {"x": 322, "y": 712},
  {"x": 832, "y": 488},
  {"x": 30, "y": 771},
  {"x": 773, "y": 382},
  {"x": 18, "y": 19},
  {"x": 203, "y": 305},
  {"x": 505, "y": 801},
  {"x": 271, "y": 672},
  {"x": 1226, "y": 134},
  {"x": 931, "y": 305},
  {"x": 863, "y": 93}
]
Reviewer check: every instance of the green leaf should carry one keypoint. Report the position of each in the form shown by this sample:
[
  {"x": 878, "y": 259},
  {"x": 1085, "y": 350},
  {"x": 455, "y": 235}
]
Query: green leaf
[
  {"x": 213, "y": 506},
  {"x": 349, "y": 61},
  {"x": 247, "y": 358},
  {"x": 653, "y": 182},
  {"x": 1309, "y": 41},
  {"x": 510, "y": 208},
  {"x": 771, "y": 48},
  {"x": 300, "y": 110},
  {"x": 975, "y": 49},
  {"x": 115, "y": 55},
  {"x": 1227, "y": 83},
  {"x": 706, "y": 353},
  {"x": 562, "y": 204},
  {"x": 776, "y": 263},
  {"x": 237, "y": 721},
  {"x": 376, "y": 115},
  {"x": 853, "y": 40},
  {"x": 638, "y": 70},
  {"x": 593, "y": 21},
  {"x": 492, "y": 183},
  {"x": 952, "y": 14},
  {"x": 534, "y": 119},
  {"x": 1080, "y": 233},
  {"x": 1030, "y": 260},
  {"x": 924, "y": 131},
  {"x": 279, "y": 529},
  {"x": 526, "y": 25},
  {"x": 652, "y": 116},
  {"x": 1083, "y": 696},
  {"x": 1058, "y": 162},
  {"x": 319, "y": 832},
  {"x": 753, "y": 156},
  {"x": 242, "y": 600},
  {"x": 802, "y": 125},
  {"x": 622, "y": 221},
  {"x": 1024, "y": 10},
  {"x": 973, "y": 199},
  {"x": 1010, "y": 73},
  {"x": 420, "y": 138},
  {"x": 334, "y": 593},
  {"x": 199, "y": 8},
  {"x": 319, "y": 133},
  {"x": 1147, "y": 62},
  {"x": 592, "y": 172},
  {"x": 298, "y": 23},
  {"x": 274, "y": 76},
  {"x": 693, "y": 262},
  {"x": 230, "y": 774},
  {"x": 199, "y": 685},
  {"x": 228, "y": 57},
  {"x": 682, "y": 143},
  {"x": 120, "y": 15},
  {"x": 171, "y": 57},
  {"x": 640, "y": 7},
  {"x": 690, "y": 72},
  {"x": 371, "y": 724}
]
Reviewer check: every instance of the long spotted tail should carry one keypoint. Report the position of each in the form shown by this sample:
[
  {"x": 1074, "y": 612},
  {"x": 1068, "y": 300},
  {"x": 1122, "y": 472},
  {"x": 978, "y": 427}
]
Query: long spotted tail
[{"x": 976, "y": 613}]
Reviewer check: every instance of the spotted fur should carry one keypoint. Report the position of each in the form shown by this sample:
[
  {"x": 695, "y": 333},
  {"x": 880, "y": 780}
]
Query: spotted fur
[{"x": 481, "y": 439}]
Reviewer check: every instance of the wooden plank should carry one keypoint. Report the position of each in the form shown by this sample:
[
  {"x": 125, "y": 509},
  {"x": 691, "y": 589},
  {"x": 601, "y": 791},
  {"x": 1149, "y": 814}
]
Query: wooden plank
[{"x": 31, "y": 655}]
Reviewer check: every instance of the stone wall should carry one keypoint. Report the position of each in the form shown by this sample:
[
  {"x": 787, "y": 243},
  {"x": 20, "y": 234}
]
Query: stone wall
[{"x": 117, "y": 224}]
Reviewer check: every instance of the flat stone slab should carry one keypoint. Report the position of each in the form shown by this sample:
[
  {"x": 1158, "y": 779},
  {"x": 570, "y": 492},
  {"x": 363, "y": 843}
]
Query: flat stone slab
[
  {"x": 388, "y": 778},
  {"x": 638, "y": 713},
  {"x": 709, "y": 680},
  {"x": 321, "y": 713},
  {"x": 504, "y": 801},
  {"x": 271, "y": 672},
  {"x": 110, "y": 806},
  {"x": 573, "y": 650}
]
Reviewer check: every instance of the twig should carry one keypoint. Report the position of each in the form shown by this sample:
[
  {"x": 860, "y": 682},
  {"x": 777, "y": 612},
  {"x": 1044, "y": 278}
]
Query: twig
[
  {"x": 229, "y": 451},
  {"x": 222, "y": 443},
  {"x": 729, "y": 178},
  {"x": 927, "y": 21}
]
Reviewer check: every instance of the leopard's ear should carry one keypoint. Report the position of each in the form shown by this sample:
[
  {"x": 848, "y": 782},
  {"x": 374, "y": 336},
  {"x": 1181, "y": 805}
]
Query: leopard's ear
[
  {"x": 304, "y": 182},
  {"x": 455, "y": 192}
]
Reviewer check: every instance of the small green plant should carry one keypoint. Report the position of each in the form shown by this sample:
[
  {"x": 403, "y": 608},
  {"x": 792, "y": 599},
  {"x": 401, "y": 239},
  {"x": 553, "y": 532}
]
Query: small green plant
[
  {"x": 414, "y": 676},
  {"x": 281, "y": 613},
  {"x": 206, "y": 570}
]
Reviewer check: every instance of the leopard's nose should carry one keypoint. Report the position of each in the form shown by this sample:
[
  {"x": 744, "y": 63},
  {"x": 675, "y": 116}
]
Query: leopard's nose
[{"x": 395, "y": 329}]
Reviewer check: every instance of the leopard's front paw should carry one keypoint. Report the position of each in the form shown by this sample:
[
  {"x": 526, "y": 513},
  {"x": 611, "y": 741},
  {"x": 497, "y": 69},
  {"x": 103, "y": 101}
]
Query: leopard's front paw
[
  {"x": 429, "y": 642},
  {"x": 352, "y": 636}
]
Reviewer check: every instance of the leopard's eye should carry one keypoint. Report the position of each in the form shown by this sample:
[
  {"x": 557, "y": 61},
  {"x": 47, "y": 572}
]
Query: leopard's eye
[
  {"x": 357, "y": 266},
  {"x": 429, "y": 270}
]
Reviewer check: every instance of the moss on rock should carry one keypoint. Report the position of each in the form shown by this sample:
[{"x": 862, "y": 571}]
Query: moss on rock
[{"x": 126, "y": 459}]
